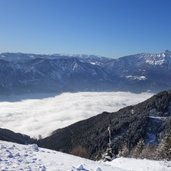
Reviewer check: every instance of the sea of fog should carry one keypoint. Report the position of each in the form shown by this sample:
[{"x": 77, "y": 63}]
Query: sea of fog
[{"x": 41, "y": 116}]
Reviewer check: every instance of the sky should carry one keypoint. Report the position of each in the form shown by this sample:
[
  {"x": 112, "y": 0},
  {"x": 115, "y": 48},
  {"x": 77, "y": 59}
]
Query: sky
[{"x": 110, "y": 28}]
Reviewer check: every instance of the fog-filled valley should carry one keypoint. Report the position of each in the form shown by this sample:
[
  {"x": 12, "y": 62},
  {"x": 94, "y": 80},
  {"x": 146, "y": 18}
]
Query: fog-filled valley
[
  {"x": 85, "y": 85},
  {"x": 38, "y": 114}
]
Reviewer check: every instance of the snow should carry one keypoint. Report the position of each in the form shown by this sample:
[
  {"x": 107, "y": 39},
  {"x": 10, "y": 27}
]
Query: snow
[
  {"x": 156, "y": 59},
  {"x": 157, "y": 62},
  {"x": 30, "y": 115},
  {"x": 163, "y": 55},
  {"x": 131, "y": 77},
  {"x": 16, "y": 157},
  {"x": 75, "y": 66},
  {"x": 141, "y": 164},
  {"x": 94, "y": 63},
  {"x": 32, "y": 56},
  {"x": 158, "y": 117}
]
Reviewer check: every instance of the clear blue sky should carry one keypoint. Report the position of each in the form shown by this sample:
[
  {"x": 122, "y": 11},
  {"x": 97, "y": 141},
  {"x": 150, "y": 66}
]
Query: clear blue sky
[{"x": 110, "y": 28}]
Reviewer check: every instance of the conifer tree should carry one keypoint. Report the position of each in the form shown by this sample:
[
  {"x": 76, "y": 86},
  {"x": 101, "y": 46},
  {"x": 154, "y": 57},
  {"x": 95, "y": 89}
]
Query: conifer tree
[{"x": 108, "y": 156}]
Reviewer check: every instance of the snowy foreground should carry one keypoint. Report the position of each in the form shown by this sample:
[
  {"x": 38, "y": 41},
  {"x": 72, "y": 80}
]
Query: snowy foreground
[{"x": 15, "y": 157}]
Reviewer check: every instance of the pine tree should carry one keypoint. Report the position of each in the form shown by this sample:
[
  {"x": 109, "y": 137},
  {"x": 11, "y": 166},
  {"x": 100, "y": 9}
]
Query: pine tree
[
  {"x": 139, "y": 147},
  {"x": 108, "y": 156},
  {"x": 124, "y": 151},
  {"x": 164, "y": 149}
]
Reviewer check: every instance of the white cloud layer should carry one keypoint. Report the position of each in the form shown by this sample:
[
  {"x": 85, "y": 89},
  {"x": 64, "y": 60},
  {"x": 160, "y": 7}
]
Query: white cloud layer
[{"x": 42, "y": 116}]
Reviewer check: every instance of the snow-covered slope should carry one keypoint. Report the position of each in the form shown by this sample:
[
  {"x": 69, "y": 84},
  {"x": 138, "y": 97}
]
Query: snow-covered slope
[
  {"x": 14, "y": 157},
  {"x": 132, "y": 164}
]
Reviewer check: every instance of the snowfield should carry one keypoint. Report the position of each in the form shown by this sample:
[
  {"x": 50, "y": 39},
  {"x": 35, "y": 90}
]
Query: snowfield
[
  {"x": 132, "y": 164},
  {"x": 16, "y": 157},
  {"x": 33, "y": 114}
]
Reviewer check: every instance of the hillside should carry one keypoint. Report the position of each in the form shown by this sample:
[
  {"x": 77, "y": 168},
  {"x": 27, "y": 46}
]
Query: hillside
[{"x": 142, "y": 130}]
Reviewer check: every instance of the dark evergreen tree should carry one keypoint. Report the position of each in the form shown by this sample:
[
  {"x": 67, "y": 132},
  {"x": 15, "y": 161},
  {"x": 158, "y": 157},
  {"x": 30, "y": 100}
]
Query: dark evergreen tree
[{"x": 108, "y": 156}]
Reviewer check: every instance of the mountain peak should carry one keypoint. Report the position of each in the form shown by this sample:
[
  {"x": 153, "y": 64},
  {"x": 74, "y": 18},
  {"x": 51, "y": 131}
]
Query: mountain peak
[{"x": 168, "y": 52}]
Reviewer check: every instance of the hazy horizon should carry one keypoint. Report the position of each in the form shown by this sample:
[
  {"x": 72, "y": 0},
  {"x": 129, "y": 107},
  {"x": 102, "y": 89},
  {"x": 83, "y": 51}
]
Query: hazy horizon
[{"x": 65, "y": 54}]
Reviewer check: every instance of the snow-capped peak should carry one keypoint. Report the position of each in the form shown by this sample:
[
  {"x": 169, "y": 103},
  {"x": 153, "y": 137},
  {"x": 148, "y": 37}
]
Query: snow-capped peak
[{"x": 156, "y": 58}]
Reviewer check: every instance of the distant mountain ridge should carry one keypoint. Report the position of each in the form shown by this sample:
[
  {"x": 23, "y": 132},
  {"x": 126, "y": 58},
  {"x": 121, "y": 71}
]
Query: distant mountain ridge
[{"x": 26, "y": 73}]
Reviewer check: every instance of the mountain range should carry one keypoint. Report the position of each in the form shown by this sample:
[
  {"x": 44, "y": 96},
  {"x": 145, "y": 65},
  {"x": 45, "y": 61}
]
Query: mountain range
[
  {"x": 27, "y": 73},
  {"x": 142, "y": 130}
]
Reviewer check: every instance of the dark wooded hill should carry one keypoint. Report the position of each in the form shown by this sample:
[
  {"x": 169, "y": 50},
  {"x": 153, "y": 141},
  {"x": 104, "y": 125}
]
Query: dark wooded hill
[{"x": 138, "y": 131}]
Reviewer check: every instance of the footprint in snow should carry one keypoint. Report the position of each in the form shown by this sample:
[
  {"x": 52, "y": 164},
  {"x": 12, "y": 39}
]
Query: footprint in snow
[{"x": 80, "y": 168}]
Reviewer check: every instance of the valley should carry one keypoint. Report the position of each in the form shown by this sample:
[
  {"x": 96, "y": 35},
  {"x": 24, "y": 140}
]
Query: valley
[{"x": 40, "y": 114}]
